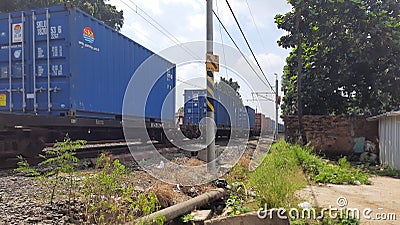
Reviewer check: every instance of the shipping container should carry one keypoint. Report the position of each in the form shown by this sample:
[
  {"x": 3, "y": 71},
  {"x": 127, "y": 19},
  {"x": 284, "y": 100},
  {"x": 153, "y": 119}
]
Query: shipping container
[
  {"x": 273, "y": 125},
  {"x": 195, "y": 107},
  {"x": 259, "y": 118},
  {"x": 226, "y": 109},
  {"x": 62, "y": 61},
  {"x": 269, "y": 127},
  {"x": 224, "y": 106},
  {"x": 251, "y": 115}
]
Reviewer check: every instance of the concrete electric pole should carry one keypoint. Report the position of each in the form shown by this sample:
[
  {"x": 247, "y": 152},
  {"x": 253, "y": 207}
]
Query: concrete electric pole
[
  {"x": 210, "y": 129},
  {"x": 276, "y": 108}
]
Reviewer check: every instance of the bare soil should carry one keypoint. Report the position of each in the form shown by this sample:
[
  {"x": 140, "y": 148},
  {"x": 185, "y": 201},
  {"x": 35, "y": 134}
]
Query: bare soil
[{"x": 382, "y": 197}]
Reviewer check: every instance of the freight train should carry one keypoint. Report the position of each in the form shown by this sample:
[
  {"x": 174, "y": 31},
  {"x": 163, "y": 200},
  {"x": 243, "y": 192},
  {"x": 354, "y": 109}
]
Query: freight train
[
  {"x": 229, "y": 114},
  {"x": 64, "y": 72}
]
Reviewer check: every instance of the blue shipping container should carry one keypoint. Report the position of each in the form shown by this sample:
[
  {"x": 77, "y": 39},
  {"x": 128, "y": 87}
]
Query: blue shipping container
[
  {"x": 195, "y": 109},
  {"x": 251, "y": 113},
  {"x": 62, "y": 61},
  {"x": 223, "y": 107}
]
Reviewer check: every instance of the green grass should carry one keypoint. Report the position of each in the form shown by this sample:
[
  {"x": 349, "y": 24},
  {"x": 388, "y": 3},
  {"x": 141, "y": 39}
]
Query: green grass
[
  {"x": 321, "y": 171},
  {"x": 384, "y": 170},
  {"x": 278, "y": 177},
  {"x": 285, "y": 169}
]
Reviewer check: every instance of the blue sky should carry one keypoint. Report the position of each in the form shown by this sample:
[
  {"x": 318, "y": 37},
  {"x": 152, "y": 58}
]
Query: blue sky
[{"x": 186, "y": 21}]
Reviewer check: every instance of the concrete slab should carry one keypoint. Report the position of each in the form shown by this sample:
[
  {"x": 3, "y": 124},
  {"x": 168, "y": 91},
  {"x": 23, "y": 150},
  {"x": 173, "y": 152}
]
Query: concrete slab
[
  {"x": 246, "y": 219},
  {"x": 201, "y": 215}
]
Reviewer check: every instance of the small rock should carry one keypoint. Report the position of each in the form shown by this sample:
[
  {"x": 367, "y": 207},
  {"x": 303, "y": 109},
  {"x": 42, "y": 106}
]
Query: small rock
[
  {"x": 305, "y": 205},
  {"x": 32, "y": 219},
  {"x": 357, "y": 182}
]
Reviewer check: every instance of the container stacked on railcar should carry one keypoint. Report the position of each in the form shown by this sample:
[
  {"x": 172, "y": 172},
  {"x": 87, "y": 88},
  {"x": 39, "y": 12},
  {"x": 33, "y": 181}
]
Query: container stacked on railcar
[
  {"x": 251, "y": 113},
  {"x": 228, "y": 113},
  {"x": 62, "y": 71}
]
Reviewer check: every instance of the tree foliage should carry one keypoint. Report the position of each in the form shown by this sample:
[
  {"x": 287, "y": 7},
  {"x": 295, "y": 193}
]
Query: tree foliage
[
  {"x": 228, "y": 86},
  {"x": 350, "y": 59},
  {"x": 97, "y": 8}
]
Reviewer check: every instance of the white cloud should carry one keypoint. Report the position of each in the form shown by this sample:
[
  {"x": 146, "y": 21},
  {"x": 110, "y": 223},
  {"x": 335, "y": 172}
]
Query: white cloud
[
  {"x": 196, "y": 22},
  {"x": 271, "y": 63}
]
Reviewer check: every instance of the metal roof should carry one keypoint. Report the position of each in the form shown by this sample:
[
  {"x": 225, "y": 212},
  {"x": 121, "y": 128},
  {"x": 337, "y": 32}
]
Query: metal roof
[{"x": 388, "y": 114}]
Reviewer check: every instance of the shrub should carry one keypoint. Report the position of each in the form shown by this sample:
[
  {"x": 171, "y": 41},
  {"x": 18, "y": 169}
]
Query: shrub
[
  {"x": 110, "y": 198},
  {"x": 58, "y": 160}
]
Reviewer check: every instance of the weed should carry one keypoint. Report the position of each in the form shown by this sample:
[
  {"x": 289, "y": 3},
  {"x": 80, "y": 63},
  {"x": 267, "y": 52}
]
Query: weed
[
  {"x": 384, "y": 170},
  {"x": 107, "y": 194},
  {"x": 324, "y": 172},
  {"x": 236, "y": 204},
  {"x": 24, "y": 168},
  {"x": 187, "y": 218},
  {"x": 110, "y": 198},
  {"x": 282, "y": 173},
  {"x": 58, "y": 160}
]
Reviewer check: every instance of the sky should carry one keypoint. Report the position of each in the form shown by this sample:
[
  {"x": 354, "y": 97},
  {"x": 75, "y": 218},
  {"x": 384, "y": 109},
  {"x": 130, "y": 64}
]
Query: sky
[{"x": 185, "y": 21}]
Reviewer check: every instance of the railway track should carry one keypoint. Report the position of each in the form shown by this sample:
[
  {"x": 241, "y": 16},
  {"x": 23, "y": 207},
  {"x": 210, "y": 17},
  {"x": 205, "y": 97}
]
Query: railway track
[{"x": 93, "y": 149}]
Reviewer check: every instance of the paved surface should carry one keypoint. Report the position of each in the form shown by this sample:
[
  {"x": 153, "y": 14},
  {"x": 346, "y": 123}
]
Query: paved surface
[{"x": 382, "y": 198}]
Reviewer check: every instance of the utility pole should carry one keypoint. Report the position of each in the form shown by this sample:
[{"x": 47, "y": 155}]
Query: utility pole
[
  {"x": 299, "y": 77},
  {"x": 276, "y": 107},
  {"x": 210, "y": 129}
]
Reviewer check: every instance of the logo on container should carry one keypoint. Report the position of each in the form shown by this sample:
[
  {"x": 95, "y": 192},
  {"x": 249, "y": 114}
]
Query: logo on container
[
  {"x": 17, "y": 29},
  {"x": 17, "y": 33},
  {"x": 88, "y": 35}
]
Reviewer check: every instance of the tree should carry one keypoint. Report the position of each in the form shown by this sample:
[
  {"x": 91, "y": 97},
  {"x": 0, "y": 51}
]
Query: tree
[
  {"x": 229, "y": 87},
  {"x": 350, "y": 59},
  {"x": 97, "y": 8}
]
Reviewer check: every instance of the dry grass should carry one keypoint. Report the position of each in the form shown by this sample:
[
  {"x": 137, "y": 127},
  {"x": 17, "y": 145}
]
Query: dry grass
[
  {"x": 194, "y": 162},
  {"x": 245, "y": 160},
  {"x": 164, "y": 192}
]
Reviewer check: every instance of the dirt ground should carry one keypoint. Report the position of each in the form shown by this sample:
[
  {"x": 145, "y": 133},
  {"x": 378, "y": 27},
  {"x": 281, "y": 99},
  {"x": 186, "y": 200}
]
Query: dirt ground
[{"x": 379, "y": 200}]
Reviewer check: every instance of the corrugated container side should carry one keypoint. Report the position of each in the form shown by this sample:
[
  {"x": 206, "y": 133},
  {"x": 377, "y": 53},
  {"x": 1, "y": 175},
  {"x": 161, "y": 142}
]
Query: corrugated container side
[
  {"x": 195, "y": 106},
  {"x": 273, "y": 125},
  {"x": 258, "y": 122},
  {"x": 268, "y": 124},
  {"x": 90, "y": 65},
  {"x": 224, "y": 107},
  {"x": 251, "y": 115}
]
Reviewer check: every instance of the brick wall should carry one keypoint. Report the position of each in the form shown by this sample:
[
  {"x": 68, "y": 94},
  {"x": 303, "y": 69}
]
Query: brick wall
[{"x": 332, "y": 135}]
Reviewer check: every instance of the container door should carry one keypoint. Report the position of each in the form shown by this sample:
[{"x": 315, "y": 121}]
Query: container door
[
  {"x": 13, "y": 58},
  {"x": 49, "y": 87},
  {"x": 33, "y": 61}
]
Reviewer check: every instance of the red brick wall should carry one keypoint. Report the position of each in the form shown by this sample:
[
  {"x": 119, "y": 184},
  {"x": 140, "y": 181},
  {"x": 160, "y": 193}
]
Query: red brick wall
[{"x": 332, "y": 135}]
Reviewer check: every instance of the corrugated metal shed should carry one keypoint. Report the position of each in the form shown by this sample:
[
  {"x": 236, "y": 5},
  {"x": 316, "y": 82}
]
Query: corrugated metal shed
[{"x": 389, "y": 138}]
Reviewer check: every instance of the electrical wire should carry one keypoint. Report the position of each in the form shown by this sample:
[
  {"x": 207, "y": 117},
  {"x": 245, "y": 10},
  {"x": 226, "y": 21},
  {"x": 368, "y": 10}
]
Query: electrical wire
[
  {"x": 190, "y": 84},
  {"x": 248, "y": 45},
  {"x": 254, "y": 21},
  {"x": 243, "y": 55},
  {"x": 159, "y": 27},
  {"x": 222, "y": 41}
]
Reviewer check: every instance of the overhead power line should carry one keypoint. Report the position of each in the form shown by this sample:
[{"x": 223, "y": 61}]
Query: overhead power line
[
  {"x": 248, "y": 45},
  {"x": 243, "y": 55},
  {"x": 190, "y": 84},
  {"x": 158, "y": 26},
  {"x": 254, "y": 21}
]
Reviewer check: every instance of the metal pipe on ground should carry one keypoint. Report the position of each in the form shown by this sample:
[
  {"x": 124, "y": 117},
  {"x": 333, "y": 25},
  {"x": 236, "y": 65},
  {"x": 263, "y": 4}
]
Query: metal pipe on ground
[{"x": 174, "y": 211}]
